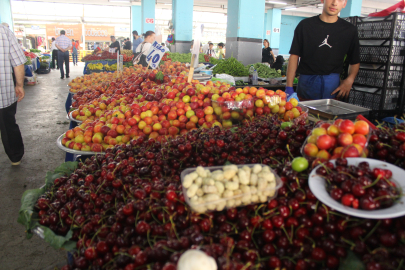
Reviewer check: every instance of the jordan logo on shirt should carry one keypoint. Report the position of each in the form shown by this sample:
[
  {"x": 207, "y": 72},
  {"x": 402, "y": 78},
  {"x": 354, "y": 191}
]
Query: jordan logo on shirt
[{"x": 325, "y": 42}]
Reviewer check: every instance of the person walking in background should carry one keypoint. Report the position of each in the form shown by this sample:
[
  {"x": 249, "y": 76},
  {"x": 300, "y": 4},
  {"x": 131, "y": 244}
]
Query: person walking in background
[
  {"x": 63, "y": 44},
  {"x": 128, "y": 44},
  {"x": 267, "y": 53},
  {"x": 12, "y": 58},
  {"x": 206, "y": 47},
  {"x": 75, "y": 47},
  {"x": 54, "y": 51},
  {"x": 221, "y": 52},
  {"x": 211, "y": 51},
  {"x": 137, "y": 40}
]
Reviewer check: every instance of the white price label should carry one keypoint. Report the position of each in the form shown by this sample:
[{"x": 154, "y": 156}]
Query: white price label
[
  {"x": 155, "y": 54},
  {"x": 112, "y": 50}
]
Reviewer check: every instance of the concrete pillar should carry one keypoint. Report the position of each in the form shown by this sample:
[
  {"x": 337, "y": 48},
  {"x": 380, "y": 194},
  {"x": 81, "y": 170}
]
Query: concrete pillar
[
  {"x": 148, "y": 13},
  {"x": 244, "y": 33},
  {"x": 5, "y": 13},
  {"x": 353, "y": 8},
  {"x": 182, "y": 18},
  {"x": 136, "y": 19},
  {"x": 273, "y": 25}
]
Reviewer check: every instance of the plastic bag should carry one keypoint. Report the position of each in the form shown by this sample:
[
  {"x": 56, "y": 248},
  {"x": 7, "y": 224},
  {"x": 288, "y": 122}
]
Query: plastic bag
[
  {"x": 293, "y": 96},
  {"x": 227, "y": 77}
]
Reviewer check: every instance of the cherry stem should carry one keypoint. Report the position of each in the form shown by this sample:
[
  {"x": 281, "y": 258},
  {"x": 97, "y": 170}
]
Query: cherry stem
[
  {"x": 372, "y": 184},
  {"x": 288, "y": 258},
  {"x": 372, "y": 230},
  {"x": 348, "y": 242},
  {"x": 327, "y": 212},
  {"x": 312, "y": 241},
  {"x": 286, "y": 233},
  {"x": 289, "y": 152},
  {"x": 246, "y": 266}
]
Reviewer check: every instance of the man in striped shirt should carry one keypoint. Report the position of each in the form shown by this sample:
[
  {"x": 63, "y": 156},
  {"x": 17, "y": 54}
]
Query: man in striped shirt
[
  {"x": 12, "y": 58},
  {"x": 63, "y": 44}
]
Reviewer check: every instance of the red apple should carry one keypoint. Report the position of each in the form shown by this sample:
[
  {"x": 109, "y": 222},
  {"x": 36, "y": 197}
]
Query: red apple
[
  {"x": 173, "y": 130},
  {"x": 360, "y": 140},
  {"x": 350, "y": 151},
  {"x": 112, "y": 133},
  {"x": 361, "y": 127}
]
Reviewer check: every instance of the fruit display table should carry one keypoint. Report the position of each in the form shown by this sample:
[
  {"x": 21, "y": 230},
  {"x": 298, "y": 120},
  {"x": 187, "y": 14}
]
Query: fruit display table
[
  {"x": 109, "y": 62},
  {"x": 219, "y": 175}
]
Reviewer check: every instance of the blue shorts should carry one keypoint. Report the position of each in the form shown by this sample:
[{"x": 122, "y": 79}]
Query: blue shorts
[{"x": 313, "y": 87}]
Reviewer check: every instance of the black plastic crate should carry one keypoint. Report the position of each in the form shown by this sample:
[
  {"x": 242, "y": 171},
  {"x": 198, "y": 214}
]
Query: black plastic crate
[
  {"x": 381, "y": 27},
  {"x": 375, "y": 78},
  {"x": 352, "y": 20},
  {"x": 373, "y": 100},
  {"x": 381, "y": 54}
]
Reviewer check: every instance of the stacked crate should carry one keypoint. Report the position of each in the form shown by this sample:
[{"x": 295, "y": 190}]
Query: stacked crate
[{"x": 378, "y": 85}]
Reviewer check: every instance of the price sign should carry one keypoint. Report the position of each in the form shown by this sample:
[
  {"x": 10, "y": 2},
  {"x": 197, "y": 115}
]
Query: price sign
[
  {"x": 268, "y": 32},
  {"x": 276, "y": 30},
  {"x": 155, "y": 54},
  {"x": 112, "y": 50}
]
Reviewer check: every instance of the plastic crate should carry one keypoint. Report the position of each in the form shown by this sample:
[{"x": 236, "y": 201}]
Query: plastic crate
[
  {"x": 375, "y": 78},
  {"x": 352, "y": 20},
  {"x": 381, "y": 27},
  {"x": 372, "y": 99},
  {"x": 380, "y": 54}
]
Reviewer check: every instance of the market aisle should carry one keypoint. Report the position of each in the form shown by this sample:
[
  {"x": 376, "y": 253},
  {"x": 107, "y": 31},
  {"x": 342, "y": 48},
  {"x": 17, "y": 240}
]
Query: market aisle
[{"x": 41, "y": 116}]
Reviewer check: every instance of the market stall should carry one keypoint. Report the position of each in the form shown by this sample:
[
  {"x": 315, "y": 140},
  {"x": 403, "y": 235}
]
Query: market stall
[{"x": 184, "y": 168}]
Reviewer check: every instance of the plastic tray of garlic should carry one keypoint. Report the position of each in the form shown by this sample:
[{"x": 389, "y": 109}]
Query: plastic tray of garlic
[{"x": 222, "y": 187}]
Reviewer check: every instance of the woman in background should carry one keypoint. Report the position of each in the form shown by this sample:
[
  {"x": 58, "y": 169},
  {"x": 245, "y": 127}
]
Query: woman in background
[{"x": 267, "y": 53}]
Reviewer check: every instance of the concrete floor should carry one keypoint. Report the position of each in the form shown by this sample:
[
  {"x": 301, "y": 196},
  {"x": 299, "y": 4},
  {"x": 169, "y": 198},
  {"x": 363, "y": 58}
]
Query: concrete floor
[{"x": 41, "y": 116}]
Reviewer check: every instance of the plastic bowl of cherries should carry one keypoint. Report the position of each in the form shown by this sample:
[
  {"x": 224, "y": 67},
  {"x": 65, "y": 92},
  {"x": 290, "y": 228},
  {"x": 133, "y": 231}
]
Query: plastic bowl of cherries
[{"x": 360, "y": 187}]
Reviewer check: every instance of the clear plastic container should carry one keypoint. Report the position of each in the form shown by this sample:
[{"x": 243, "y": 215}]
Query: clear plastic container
[
  {"x": 232, "y": 112},
  {"x": 244, "y": 198}
]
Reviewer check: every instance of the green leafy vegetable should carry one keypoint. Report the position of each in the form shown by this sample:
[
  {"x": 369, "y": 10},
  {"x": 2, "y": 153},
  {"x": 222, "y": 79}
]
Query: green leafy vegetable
[
  {"x": 232, "y": 67},
  {"x": 265, "y": 71}
]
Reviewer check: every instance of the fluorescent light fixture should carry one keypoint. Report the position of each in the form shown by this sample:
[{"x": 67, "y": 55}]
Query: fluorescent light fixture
[
  {"x": 274, "y": 2},
  {"x": 290, "y": 8},
  {"x": 119, "y": 1}
]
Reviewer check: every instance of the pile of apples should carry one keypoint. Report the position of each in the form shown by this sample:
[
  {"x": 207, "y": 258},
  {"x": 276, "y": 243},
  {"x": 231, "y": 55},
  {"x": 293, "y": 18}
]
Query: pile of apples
[{"x": 342, "y": 138}]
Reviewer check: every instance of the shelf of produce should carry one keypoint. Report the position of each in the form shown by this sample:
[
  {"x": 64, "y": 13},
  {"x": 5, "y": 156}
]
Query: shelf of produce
[{"x": 75, "y": 152}]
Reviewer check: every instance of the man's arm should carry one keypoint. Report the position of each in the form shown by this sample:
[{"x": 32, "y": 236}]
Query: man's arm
[
  {"x": 346, "y": 85},
  {"x": 19, "y": 73},
  {"x": 292, "y": 69},
  {"x": 59, "y": 48}
]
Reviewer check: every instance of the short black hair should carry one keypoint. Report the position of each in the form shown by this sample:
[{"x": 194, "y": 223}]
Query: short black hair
[
  {"x": 53, "y": 39},
  {"x": 62, "y": 32},
  {"x": 73, "y": 39},
  {"x": 112, "y": 37},
  {"x": 211, "y": 44},
  {"x": 162, "y": 44},
  {"x": 135, "y": 32},
  {"x": 221, "y": 44}
]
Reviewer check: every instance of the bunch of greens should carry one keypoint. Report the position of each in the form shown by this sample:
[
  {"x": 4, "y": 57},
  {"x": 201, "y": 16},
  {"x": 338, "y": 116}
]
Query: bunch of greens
[
  {"x": 29, "y": 62},
  {"x": 214, "y": 61},
  {"x": 35, "y": 50},
  {"x": 232, "y": 67},
  {"x": 240, "y": 82},
  {"x": 184, "y": 57},
  {"x": 45, "y": 57},
  {"x": 265, "y": 71}
]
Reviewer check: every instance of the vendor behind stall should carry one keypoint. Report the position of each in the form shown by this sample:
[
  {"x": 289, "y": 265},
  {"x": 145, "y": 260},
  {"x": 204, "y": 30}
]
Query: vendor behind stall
[
  {"x": 267, "y": 53},
  {"x": 114, "y": 45},
  {"x": 322, "y": 43}
]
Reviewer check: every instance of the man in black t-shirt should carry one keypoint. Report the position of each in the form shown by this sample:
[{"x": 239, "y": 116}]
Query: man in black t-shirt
[
  {"x": 320, "y": 45},
  {"x": 115, "y": 45},
  {"x": 128, "y": 44}
]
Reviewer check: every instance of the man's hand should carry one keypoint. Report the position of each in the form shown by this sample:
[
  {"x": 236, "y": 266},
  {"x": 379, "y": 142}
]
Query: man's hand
[
  {"x": 344, "y": 88},
  {"x": 19, "y": 92}
]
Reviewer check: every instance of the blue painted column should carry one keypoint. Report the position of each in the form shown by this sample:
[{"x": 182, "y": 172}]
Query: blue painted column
[
  {"x": 136, "y": 19},
  {"x": 182, "y": 18},
  {"x": 148, "y": 12},
  {"x": 244, "y": 33},
  {"x": 5, "y": 13},
  {"x": 273, "y": 24},
  {"x": 353, "y": 8}
]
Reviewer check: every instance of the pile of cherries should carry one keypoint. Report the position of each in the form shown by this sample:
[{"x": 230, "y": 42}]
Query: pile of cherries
[
  {"x": 360, "y": 187},
  {"x": 127, "y": 211},
  {"x": 388, "y": 144}
]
